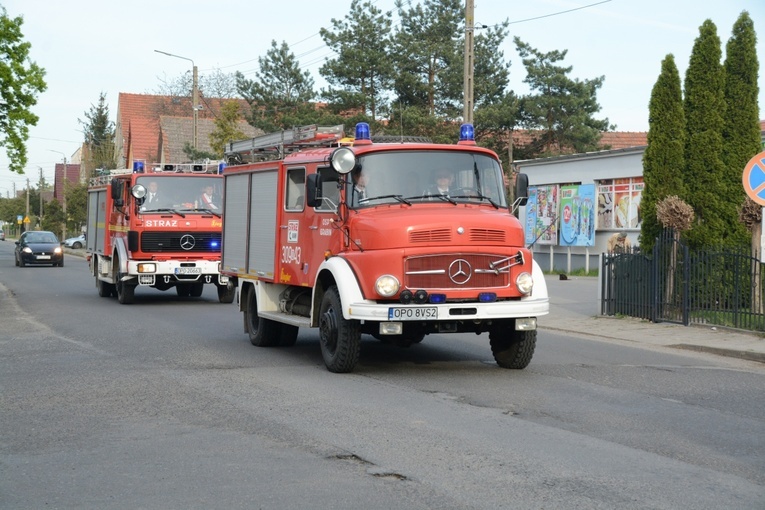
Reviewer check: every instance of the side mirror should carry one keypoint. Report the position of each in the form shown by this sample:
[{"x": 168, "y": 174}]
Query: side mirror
[
  {"x": 521, "y": 189},
  {"x": 116, "y": 189},
  {"x": 313, "y": 190}
]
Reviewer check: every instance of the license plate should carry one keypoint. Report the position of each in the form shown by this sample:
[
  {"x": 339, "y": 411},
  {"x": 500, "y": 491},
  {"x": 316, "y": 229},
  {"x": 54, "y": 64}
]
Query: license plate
[
  {"x": 188, "y": 270},
  {"x": 43, "y": 257},
  {"x": 411, "y": 313}
]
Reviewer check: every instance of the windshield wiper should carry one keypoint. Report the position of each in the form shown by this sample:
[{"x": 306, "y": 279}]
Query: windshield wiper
[
  {"x": 208, "y": 211},
  {"x": 174, "y": 211},
  {"x": 478, "y": 197},
  {"x": 397, "y": 197}
]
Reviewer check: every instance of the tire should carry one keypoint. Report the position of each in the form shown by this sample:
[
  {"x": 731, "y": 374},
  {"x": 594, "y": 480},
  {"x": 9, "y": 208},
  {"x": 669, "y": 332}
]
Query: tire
[
  {"x": 340, "y": 338},
  {"x": 77, "y": 245},
  {"x": 196, "y": 289},
  {"x": 16, "y": 260},
  {"x": 104, "y": 289},
  {"x": 226, "y": 293},
  {"x": 183, "y": 290},
  {"x": 125, "y": 291},
  {"x": 262, "y": 332},
  {"x": 512, "y": 349},
  {"x": 21, "y": 262},
  {"x": 60, "y": 264}
]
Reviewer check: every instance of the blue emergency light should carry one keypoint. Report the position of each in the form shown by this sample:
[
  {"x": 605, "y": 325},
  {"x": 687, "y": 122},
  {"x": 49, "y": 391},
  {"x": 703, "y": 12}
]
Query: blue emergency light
[
  {"x": 467, "y": 133},
  {"x": 362, "y": 133},
  {"x": 137, "y": 167}
]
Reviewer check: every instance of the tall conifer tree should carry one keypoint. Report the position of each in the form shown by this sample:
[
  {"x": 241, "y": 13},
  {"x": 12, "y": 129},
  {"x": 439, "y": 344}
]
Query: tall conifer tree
[
  {"x": 741, "y": 134},
  {"x": 664, "y": 158},
  {"x": 704, "y": 106}
]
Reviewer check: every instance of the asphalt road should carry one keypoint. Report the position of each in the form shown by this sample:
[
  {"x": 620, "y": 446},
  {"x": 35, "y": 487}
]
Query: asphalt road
[{"x": 165, "y": 404}]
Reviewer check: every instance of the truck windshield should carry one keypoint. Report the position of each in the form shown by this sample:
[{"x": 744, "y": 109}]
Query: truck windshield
[
  {"x": 183, "y": 193},
  {"x": 411, "y": 177}
]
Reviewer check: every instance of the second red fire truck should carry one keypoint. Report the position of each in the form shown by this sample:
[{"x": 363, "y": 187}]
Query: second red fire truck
[{"x": 156, "y": 227}]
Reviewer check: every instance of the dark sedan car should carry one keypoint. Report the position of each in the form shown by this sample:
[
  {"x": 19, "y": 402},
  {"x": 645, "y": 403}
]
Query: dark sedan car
[{"x": 39, "y": 247}]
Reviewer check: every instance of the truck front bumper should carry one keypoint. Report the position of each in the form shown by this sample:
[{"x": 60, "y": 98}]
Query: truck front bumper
[
  {"x": 369, "y": 311},
  {"x": 150, "y": 273}
]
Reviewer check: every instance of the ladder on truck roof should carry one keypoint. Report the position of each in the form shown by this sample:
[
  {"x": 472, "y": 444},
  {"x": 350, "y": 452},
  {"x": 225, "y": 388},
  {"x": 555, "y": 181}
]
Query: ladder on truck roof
[{"x": 279, "y": 144}]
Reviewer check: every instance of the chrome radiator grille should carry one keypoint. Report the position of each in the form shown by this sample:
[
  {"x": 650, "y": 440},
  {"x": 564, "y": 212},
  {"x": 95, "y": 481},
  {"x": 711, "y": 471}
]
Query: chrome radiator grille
[{"x": 457, "y": 271}]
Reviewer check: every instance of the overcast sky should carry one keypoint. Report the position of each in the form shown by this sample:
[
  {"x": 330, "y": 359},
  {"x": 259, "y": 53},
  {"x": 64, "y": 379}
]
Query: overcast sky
[{"x": 88, "y": 47}]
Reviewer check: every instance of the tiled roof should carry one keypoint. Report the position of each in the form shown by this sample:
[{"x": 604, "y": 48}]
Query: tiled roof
[
  {"x": 608, "y": 140},
  {"x": 138, "y": 123}
]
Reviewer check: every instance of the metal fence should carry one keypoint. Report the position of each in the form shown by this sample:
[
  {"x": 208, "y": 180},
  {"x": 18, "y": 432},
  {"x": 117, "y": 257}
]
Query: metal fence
[{"x": 675, "y": 284}]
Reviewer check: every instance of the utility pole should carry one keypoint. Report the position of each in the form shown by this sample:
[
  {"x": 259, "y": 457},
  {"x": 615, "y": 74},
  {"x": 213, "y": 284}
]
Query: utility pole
[
  {"x": 40, "y": 190},
  {"x": 467, "y": 113},
  {"x": 27, "y": 213},
  {"x": 194, "y": 92}
]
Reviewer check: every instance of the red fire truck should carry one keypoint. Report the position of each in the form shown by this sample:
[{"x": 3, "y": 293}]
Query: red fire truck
[
  {"x": 156, "y": 227},
  {"x": 307, "y": 246}
]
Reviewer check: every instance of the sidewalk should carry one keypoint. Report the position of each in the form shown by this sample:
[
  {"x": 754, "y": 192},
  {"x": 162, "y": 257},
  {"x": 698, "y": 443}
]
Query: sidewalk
[{"x": 574, "y": 308}]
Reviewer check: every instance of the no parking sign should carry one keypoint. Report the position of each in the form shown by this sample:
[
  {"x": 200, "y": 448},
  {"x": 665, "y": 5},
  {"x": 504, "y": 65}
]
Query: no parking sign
[
  {"x": 754, "y": 178},
  {"x": 754, "y": 185}
]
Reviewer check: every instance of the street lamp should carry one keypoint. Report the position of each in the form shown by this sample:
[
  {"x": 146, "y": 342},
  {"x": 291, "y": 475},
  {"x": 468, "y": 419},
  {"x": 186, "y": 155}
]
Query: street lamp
[
  {"x": 194, "y": 91},
  {"x": 63, "y": 232}
]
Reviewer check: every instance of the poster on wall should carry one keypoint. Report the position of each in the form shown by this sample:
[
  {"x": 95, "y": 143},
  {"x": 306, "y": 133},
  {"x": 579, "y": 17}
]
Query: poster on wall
[
  {"x": 542, "y": 215},
  {"x": 577, "y": 206},
  {"x": 619, "y": 203}
]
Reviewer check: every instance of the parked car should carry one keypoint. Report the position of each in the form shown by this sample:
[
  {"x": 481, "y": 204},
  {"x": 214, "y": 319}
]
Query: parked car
[
  {"x": 2, "y": 235},
  {"x": 75, "y": 242},
  {"x": 39, "y": 247}
]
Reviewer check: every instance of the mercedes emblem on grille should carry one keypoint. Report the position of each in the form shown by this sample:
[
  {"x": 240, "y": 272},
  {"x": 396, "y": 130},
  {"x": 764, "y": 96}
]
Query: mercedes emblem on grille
[
  {"x": 188, "y": 242},
  {"x": 460, "y": 271}
]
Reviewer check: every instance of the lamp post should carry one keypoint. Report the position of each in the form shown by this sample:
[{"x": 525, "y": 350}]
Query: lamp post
[
  {"x": 194, "y": 91},
  {"x": 63, "y": 202}
]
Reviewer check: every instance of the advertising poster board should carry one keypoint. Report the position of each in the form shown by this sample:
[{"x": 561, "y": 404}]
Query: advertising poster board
[
  {"x": 542, "y": 215},
  {"x": 577, "y": 206}
]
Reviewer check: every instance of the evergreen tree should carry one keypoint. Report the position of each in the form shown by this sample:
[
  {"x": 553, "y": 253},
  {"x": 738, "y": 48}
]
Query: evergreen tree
[
  {"x": 280, "y": 88},
  {"x": 99, "y": 138},
  {"x": 561, "y": 108},
  {"x": 362, "y": 73},
  {"x": 741, "y": 132},
  {"x": 21, "y": 80},
  {"x": 226, "y": 128},
  {"x": 424, "y": 48},
  {"x": 707, "y": 191},
  {"x": 664, "y": 158}
]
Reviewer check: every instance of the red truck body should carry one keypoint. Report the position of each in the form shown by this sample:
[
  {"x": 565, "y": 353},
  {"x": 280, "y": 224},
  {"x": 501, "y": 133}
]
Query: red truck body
[
  {"x": 398, "y": 264},
  {"x": 172, "y": 243}
]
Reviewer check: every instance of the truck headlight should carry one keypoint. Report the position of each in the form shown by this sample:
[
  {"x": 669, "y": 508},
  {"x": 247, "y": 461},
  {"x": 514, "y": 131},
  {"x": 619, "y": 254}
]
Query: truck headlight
[
  {"x": 147, "y": 267},
  {"x": 387, "y": 285},
  {"x": 524, "y": 282}
]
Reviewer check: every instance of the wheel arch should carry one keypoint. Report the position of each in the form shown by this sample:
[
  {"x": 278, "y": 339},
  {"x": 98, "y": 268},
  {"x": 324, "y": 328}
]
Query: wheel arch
[{"x": 335, "y": 271}]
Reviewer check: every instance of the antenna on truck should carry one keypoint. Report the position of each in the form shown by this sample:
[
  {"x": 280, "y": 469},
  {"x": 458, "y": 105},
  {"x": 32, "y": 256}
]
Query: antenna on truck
[{"x": 280, "y": 143}]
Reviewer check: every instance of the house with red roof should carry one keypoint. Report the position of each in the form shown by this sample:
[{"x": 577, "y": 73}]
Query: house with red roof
[{"x": 155, "y": 128}]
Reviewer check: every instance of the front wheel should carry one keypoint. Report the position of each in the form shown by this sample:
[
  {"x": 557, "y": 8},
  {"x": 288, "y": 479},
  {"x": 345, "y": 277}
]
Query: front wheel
[
  {"x": 512, "y": 349},
  {"x": 340, "y": 338},
  {"x": 125, "y": 290}
]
